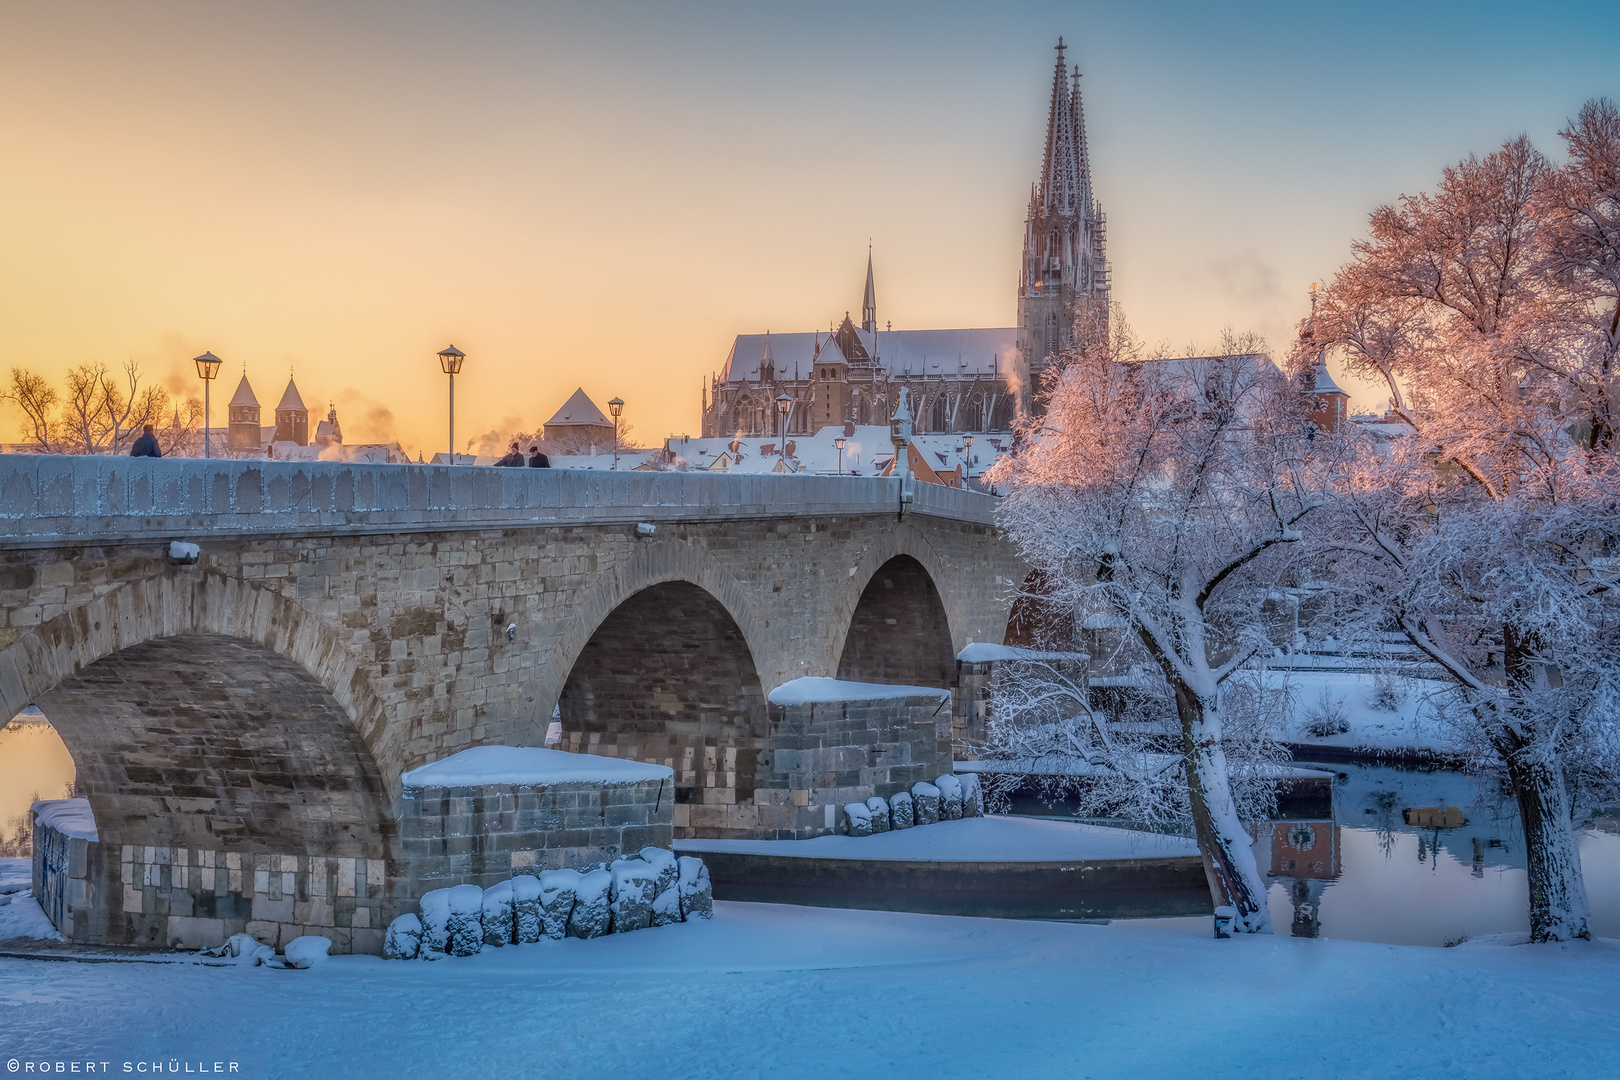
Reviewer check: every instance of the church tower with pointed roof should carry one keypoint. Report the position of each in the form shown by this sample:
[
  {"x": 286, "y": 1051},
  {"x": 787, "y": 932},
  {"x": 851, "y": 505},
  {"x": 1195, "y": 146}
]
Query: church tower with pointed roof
[
  {"x": 1064, "y": 274},
  {"x": 292, "y": 416},
  {"x": 243, "y": 411}
]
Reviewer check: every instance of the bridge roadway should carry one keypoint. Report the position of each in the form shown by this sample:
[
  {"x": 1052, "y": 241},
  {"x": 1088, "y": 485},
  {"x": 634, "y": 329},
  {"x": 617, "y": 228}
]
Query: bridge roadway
[{"x": 346, "y": 623}]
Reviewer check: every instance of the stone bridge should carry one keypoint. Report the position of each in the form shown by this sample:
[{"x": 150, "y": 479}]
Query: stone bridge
[{"x": 347, "y": 623}]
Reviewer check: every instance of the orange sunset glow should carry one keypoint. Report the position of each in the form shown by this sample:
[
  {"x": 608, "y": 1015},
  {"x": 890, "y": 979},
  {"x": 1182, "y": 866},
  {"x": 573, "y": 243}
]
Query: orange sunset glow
[{"x": 604, "y": 196}]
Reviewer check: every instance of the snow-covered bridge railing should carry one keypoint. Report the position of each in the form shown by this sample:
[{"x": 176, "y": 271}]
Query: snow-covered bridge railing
[{"x": 48, "y": 498}]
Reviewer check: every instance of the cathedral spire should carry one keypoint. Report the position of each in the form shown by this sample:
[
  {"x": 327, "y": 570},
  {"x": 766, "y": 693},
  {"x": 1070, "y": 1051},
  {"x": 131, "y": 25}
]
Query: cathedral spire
[
  {"x": 1061, "y": 187},
  {"x": 869, "y": 303}
]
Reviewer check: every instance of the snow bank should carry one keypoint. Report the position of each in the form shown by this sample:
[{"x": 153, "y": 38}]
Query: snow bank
[
  {"x": 820, "y": 689},
  {"x": 950, "y": 797},
  {"x": 70, "y": 817},
  {"x": 307, "y": 951},
  {"x": 484, "y": 765},
  {"x": 983, "y": 652},
  {"x": 858, "y": 819},
  {"x": 980, "y": 839}
]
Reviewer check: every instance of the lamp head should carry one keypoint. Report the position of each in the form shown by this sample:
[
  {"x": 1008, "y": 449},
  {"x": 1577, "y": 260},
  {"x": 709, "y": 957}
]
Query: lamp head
[
  {"x": 207, "y": 365},
  {"x": 451, "y": 359},
  {"x": 840, "y": 442},
  {"x": 616, "y": 406},
  {"x": 783, "y": 404}
]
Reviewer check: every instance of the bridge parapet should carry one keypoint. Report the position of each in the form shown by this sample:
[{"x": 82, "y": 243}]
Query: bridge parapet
[{"x": 48, "y": 499}]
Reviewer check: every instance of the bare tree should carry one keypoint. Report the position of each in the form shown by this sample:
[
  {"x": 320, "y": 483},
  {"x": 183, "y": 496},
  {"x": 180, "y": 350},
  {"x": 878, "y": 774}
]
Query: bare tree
[
  {"x": 1165, "y": 494},
  {"x": 99, "y": 414},
  {"x": 38, "y": 400}
]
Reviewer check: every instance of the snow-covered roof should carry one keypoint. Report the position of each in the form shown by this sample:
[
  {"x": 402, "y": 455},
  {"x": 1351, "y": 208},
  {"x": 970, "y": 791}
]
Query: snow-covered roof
[
  {"x": 291, "y": 399},
  {"x": 1324, "y": 383},
  {"x": 481, "y": 765},
  {"x": 244, "y": 394},
  {"x": 822, "y": 689},
  {"x": 580, "y": 410},
  {"x": 938, "y": 353},
  {"x": 70, "y": 817}
]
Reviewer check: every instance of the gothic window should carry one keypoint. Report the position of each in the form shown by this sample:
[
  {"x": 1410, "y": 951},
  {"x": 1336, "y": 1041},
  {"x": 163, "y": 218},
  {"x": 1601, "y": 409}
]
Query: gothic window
[
  {"x": 939, "y": 418},
  {"x": 1051, "y": 334}
]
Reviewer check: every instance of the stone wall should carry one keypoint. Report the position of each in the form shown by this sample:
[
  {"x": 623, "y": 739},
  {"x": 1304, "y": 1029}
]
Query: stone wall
[
  {"x": 484, "y": 834},
  {"x": 62, "y": 877}
]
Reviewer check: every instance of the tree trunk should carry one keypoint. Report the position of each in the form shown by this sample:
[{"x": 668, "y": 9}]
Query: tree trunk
[
  {"x": 1227, "y": 850},
  {"x": 1558, "y": 907}
]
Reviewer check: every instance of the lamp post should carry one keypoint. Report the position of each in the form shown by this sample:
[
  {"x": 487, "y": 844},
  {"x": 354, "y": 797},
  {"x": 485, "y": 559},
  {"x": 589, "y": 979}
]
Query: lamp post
[
  {"x": 450, "y": 360},
  {"x": 784, "y": 405},
  {"x": 967, "y": 456},
  {"x": 616, "y": 406},
  {"x": 840, "y": 443},
  {"x": 207, "y": 368}
]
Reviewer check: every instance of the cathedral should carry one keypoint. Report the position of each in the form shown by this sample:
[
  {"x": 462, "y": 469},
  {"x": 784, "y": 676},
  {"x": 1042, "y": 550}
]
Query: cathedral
[{"x": 977, "y": 380}]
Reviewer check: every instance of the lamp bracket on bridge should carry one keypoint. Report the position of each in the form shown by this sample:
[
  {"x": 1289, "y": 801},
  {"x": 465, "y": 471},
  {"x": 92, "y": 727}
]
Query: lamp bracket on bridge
[
  {"x": 646, "y": 528},
  {"x": 183, "y": 553}
]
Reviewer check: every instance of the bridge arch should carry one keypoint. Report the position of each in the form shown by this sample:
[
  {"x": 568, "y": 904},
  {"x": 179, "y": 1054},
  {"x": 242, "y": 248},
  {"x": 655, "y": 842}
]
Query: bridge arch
[
  {"x": 899, "y": 628},
  {"x": 104, "y": 665}
]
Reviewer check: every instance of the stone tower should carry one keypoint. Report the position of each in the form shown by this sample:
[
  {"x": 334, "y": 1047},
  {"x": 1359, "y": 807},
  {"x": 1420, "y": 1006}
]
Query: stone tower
[
  {"x": 243, "y": 411},
  {"x": 1064, "y": 275},
  {"x": 292, "y": 417},
  {"x": 829, "y": 380}
]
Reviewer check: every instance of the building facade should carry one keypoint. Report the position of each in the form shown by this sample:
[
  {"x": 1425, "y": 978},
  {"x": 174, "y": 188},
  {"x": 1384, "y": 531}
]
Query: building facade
[{"x": 970, "y": 380}]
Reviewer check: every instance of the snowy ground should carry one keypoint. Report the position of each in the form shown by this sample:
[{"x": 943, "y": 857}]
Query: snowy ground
[
  {"x": 981, "y": 839},
  {"x": 775, "y": 991},
  {"x": 1412, "y": 726}
]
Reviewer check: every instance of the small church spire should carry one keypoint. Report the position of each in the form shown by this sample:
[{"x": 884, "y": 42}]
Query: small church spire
[{"x": 869, "y": 303}]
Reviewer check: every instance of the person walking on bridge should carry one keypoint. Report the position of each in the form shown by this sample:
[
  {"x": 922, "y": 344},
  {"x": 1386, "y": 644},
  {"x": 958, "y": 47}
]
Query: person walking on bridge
[
  {"x": 537, "y": 460},
  {"x": 146, "y": 445},
  {"x": 513, "y": 458}
]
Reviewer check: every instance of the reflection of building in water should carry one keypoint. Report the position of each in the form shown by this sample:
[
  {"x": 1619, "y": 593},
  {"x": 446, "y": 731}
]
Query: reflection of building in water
[
  {"x": 1305, "y": 849},
  {"x": 1306, "y": 896},
  {"x": 1308, "y": 852},
  {"x": 1434, "y": 817}
]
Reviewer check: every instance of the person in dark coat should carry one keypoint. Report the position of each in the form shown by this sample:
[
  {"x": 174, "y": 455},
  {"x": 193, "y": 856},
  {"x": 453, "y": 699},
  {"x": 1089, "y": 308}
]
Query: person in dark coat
[
  {"x": 537, "y": 460},
  {"x": 514, "y": 457},
  {"x": 146, "y": 445}
]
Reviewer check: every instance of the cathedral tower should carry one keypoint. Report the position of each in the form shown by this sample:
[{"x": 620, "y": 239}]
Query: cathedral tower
[{"x": 1064, "y": 274}]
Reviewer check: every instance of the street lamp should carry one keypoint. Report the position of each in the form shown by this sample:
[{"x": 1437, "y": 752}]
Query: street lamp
[
  {"x": 840, "y": 443},
  {"x": 616, "y": 406},
  {"x": 784, "y": 404},
  {"x": 450, "y": 360},
  {"x": 207, "y": 368},
  {"x": 967, "y": 454}
]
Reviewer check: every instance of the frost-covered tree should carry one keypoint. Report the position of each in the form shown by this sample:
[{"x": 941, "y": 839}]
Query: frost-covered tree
[
  {"x": 1164, "y": 494},
  {"x": 1487, "y": 308}
]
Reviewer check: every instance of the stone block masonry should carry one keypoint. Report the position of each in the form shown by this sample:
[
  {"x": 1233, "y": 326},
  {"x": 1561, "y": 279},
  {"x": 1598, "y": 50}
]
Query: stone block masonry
[{"x": 482, "y": 815}]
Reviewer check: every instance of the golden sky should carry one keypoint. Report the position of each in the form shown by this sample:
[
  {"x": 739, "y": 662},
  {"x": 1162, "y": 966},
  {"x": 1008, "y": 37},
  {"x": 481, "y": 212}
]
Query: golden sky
[{"x": 602, "y": 195}]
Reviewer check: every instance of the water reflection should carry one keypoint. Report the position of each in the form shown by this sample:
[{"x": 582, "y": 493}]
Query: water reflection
[
  {"x": 33, "y": 765},
  {"x": 1417, "y": 858}
]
